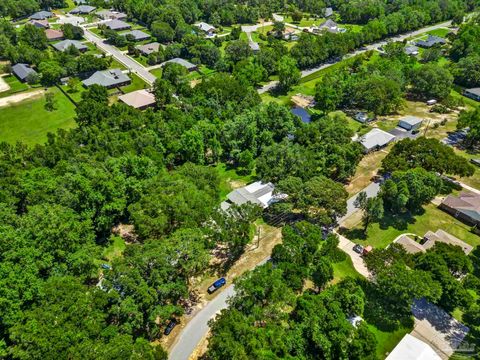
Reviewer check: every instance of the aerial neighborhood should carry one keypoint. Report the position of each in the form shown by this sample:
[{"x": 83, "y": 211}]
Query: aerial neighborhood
[{"x": 240, "y": 180}]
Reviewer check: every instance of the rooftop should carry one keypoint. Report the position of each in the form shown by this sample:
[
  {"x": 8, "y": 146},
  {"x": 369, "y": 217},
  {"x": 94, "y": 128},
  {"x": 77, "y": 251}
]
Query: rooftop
[
  {"x": 117, "y": 25},
  {"x": 22, "y": 71},
  {"x": 431, "y": 41},
  {"x": 138, "y": 99},
  {"x": 257, "y": 193},
  {"x": 182, "y": 62},
  {"x": 411, "y": 120},
  {"x": 149, "y": 48},
  {"x": 83, "y": 9},
  {"x": 137, "y": 35},
  {"x": 40, "y": 15},
  {"x": 205, "y": 27},
  {"x": 376, "y": 137},
  {"x": 474, "y": 91},
  {"x": 467, "y": 203},
  {"x": 53, "y": 34},
  {"x": 40, "y": 23},
  {"x": 107, "y": 78},
  {"x": 111, "y": 14},
  {"x": 430, "y": 239},
  {"x": 412, "y": 348},
  {"x": 65, "y": 44}
]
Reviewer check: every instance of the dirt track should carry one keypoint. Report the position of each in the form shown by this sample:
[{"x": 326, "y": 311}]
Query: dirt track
[{"x": 9, "y": 100}]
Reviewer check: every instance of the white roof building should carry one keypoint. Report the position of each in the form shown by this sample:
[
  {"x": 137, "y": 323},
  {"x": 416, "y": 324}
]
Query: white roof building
[
  {"x": 206, "y": 27},
  {"x": 375, "y": 139},
  {"x": 411, "y": 348},
  {"x": 257, "y": 193}
]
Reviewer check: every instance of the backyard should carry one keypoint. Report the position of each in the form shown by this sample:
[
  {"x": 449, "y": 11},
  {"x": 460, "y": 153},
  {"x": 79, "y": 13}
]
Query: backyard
[{"x": 29, "y": 122}]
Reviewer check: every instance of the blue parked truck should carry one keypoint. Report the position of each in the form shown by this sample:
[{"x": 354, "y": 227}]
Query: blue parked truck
[{"x": 217, "y": 285}]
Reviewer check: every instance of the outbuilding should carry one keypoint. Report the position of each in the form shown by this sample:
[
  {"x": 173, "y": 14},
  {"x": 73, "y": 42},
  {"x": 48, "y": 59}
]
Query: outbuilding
[
  {"x": 410, "y": 123},
  {"x": 375, "y": 139},
  {"x": 473, "y": 93}
]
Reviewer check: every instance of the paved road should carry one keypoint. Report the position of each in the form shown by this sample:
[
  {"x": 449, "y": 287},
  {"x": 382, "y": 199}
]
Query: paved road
[
  {"x": 469, "y": 188},
  {"x": 131, "y": 64},
  {"x": 373, "y": 46},
  {"x": 371, "y": 191},
  {"x": 347, "y": 246}
]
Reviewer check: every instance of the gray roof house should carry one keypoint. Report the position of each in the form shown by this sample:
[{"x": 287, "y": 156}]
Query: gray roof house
[
  {"x": 376, "y": 139},
  {"x": 328, "y": 12},
  {"x": 410, "y": 122},
  {"x": 65, "y": 44},
  {"x": 411, "y": 50},
  {"x": 206, "y": 28},
  {"x": 137, "y": 35},
  {"x": 254, "y": 46},
  {"x": 117, "y": 25},
  {"x": 473, "y": 93},
  {"x": 431, "y": 41},
  {"x": 83, "y": 9},
  {"x": 111, "y": 14},
  {"x": 149, "y": 48},
  {"x": 108, "y": 78},
  {"x": 41, "y": 15},
  {"x": 42, "y": 24},
  {"x": 465, "y": 207},
  {"x": 257, "y": 193},
  {"x": 183, "y": 62},
  {"x": 21, "y": 71}
]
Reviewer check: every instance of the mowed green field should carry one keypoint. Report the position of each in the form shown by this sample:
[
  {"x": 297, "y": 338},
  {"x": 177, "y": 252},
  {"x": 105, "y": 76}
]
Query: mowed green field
[{"x": 29, "y": 122}]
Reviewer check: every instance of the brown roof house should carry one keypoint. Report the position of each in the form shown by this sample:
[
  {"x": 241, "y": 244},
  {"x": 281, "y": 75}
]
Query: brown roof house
[
  {"x": 140, "y": 99},
  {"x": 42, "y": 24},
  {"x": 53, "y": 35},
  {"x": 465, "y": 207}
]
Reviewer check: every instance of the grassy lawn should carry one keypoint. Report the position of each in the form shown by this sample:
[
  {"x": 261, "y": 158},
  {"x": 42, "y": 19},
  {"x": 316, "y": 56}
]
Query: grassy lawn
[
  {"x": 75, "y": 95},
  {"x": 386, "y": 341},
  {"x": 344, "y": 269},
  {"x": 115, "y": 249},
  {"x": 16, "y": 86},
  {"x": 156, "y": 72},
  {"x": 352, "y": 27},
  {"x": 473, "y": 180},
  {"x": 442, "y": 32},
  {"x": 116, "y": 65},
  {"x": 136, "y": 84},
  {"x": 97, "y": 32},
  {"x": 29, "y": 122},
  {"x": 229, "y": 179},
  {"x": 382, "y": 234}
]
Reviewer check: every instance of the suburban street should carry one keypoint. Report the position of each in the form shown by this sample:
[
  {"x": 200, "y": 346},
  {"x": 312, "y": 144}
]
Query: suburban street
[
  {"x": 122, "y": 58},
  {"x": 373, "y": 46}
]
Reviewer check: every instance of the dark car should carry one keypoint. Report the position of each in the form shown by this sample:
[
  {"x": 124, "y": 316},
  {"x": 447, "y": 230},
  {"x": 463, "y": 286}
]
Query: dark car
[
  {"x": 170, "y": 327},
  {"x": 475, "y": 161},
  {"x": 217, "y": 285},
  {"x": 106, "y": 267},
  {"x": 358, "y": 249}
]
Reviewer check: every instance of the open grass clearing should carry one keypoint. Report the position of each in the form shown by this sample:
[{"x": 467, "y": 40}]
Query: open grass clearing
[
  {"x": 441, "y": 32},
  {"x": 137, "y": 84},
  {"x": 386, "y": 341},
  {"x": 344, "y": 269},
  {"x": 380, "y": 235},
  {"x": 15, "y": 85},
  {"x": 29, "y": 122}
]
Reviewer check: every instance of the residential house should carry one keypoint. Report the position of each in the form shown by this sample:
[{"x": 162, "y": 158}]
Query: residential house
[
  {"x": 412, "y": 348},
  {"x": 362, "y": 117},
  {"x": 188, "y": 65},
  {"x": 54, "y": 35},
  {"x": 376, "y": 139},
  {"x": 465, "y": 207},
  {"x": 66, "y": 44},
  {"x": 411, "y": 50},
  {"x": 290, "y": 34},
  {"x": 83, "y": 10},
  {"x": 137, "y": 35},
  {"x": 108, "y": 78},
  {"x": 429, "y": 240},
  {"x": 431, "y": 41},
  {"x": 117, "y": 25},
  {"x": 328, "y": 12},
  {"x": 256, "y": 193},
  {"x": 473, "y": 93},
  {"x": 111, "y": 15},
  {"x": 330, "y": 26},
  {"x": 254, "y": 46},
  {"x": 410, "y": 123},
  {"x": 140, "y": 99},
  {"x": 80, "y": 2},
  {"x": 22, "y": 71},
  {"x": 42, "y": 24},
  {"x": 207, "y": 28},
  {"x": 41, "y": 15},
  {"x": 149, "y": 48}
]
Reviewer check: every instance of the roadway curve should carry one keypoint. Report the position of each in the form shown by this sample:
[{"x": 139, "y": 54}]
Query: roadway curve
[
  {"x": 131, "y": 64},
  {"x": 373, "y": 46}
]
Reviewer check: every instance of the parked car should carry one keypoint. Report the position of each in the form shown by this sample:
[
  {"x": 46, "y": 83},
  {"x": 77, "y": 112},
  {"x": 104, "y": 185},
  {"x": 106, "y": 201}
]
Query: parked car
[
  {"x": 358, "y": 249},
  {"x": 475, "y": 161},
  {"x": 170, "y": 326},
  {"x": 217, "y": 285},
  {"x": 363, "y": 48},
  {"x": 415, "y": 131},
  {"x": 106, "y": 267}
]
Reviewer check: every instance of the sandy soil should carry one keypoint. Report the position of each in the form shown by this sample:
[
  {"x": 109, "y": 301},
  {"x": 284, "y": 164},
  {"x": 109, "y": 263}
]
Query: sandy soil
[
  {"x": 3, "y": 85},
  {"x": 9, "y": 100}
]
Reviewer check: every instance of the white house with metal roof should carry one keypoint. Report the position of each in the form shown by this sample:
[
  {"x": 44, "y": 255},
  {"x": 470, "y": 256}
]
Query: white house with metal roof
[
  {"x": 256, "y": 193},
  {"x": 412, "y": 348},
  {"x": 206, "y": 28},
  {"x": 375, "y": 139},
  {"x": 410, "y": 122}
]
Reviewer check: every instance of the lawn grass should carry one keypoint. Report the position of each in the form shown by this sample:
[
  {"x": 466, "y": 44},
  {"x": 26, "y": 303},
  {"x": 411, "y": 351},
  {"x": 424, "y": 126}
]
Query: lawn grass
[
  {"x": 229, "y": 179},
  {"x": 16, "y": 86},
  {"x": 115, "y": 249},
  {"x": 75, "y": 95},
  {"x": 473, "y": 180},
  {"x": 386, "y": 341},
  {"x": 117, "y": 65},
  {"x": 442, "y": 32},
  {"x": 157, "y": 72},
  {"x": 137, "y": 84},
  {"x": 380, "y": 235},
  {"x": 29, "y": 122},
  {"x": 344, "y": 269}
]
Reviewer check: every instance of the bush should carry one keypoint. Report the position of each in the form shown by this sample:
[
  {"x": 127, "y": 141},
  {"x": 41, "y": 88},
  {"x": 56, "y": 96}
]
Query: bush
[{"x": 440, "y": 109}]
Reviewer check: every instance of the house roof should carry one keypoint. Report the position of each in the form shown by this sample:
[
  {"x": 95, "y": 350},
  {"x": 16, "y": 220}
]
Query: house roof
[
  {"x": 474, "y": 91},
  {"x": 412, "y": 348},
  {"x": 205, "y": 27},
  {"x": 107, "y": 78},
  {"x": 444, "y": 237},
  {"x": 65, "y": 44},
  {"x": 111, "y": 14},
  {"x": 329, "y": 25},
  {"x": 40, "y": 23},
  {"x": 257, "y": 193},
  {"x": 149, "y": 48},
  {"x": 254, "y": 45},
  {"x": 22, "y": 70},
  {"x": 328, "y": 11},
  {"x": 410, "y": 245},
  {"x": 138, "y": 99},
  {"x": 411, "y": 120},
  {"x": 41, "y": 15},
  {"x": 53, "y": 34},
  {"x": 180, "y": 61},
  {"x": 137, "y": 35},
  {"x": 431, "y": 41},
  {"x": 411, "y": 50},
  {"x": 83, "y": 9},
  {"x": 117, "y": 25},
  {"x": 376, "y": 137},
  {"x": 467, "y": 203}
]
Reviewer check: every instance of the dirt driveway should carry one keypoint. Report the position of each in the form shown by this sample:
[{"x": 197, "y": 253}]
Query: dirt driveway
[
  {"x": 10, "y": 100},
  {"x": 3, "y": 85}
]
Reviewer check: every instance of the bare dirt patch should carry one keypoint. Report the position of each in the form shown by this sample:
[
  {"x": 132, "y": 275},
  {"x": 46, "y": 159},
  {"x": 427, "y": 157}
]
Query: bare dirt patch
[
  {"x": 9, "y": 100},
  {"x": 3, "y": 85}
]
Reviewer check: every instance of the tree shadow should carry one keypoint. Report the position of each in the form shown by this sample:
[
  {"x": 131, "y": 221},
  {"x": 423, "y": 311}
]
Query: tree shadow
[{"x": 353, "y": 234}]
